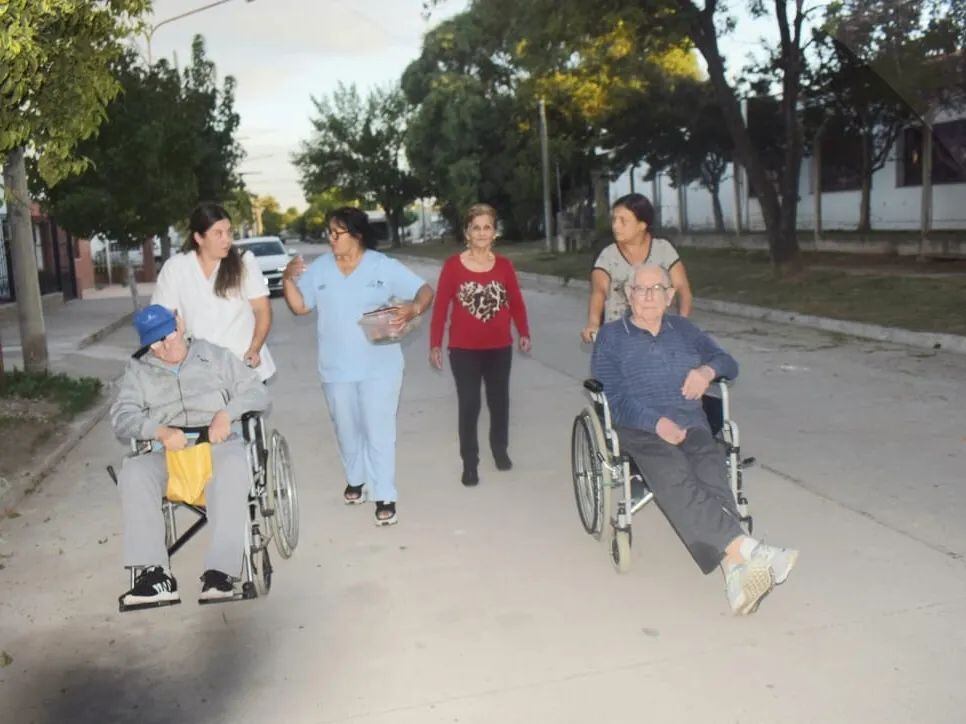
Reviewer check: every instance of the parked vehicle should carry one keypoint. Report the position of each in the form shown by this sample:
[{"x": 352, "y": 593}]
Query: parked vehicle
[{"x": 271, "y": 255}]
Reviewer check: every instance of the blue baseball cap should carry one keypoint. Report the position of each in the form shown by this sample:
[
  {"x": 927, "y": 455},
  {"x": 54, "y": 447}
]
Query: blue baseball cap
[{"x": 154, "y": 322}]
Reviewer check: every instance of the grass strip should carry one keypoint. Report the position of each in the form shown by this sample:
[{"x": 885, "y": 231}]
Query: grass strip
[{"x": 71, "y": 394}]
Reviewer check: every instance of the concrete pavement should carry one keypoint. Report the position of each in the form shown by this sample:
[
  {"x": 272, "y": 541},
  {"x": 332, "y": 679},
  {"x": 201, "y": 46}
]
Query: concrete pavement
[{"x": 492, "y": 605}]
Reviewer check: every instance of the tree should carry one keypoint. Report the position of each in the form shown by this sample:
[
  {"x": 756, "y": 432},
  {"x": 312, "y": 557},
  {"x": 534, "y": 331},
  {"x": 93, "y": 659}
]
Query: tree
[
  {"x": 271, "y": 215},
  {"x": 148, "y": 161},
  {"x": 55, "y": 82},
  {"x": 358, "y": 147}
]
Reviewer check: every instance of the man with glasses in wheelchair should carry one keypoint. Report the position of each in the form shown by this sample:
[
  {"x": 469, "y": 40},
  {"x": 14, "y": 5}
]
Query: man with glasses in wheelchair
[
  {"x": 173, "y": 383},
  {"x": 655, "y": 368}
]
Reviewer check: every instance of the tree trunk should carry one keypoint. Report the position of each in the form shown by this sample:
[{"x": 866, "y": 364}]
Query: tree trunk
[
  {"x": 865, "y": 205},
  {"x": 132, "y": 282},
  {"x": 165, "y": 247},
  {"x": 817, "y": 186},
  {"x": 704, "y": 35},
  {"x": 719, "y": 224},
  {"x": 925, "y": 209},
  {"x": 30, "y": 311}
]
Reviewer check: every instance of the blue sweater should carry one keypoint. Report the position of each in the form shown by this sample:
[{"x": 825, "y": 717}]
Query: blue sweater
[{"x": 643, "y": 374}]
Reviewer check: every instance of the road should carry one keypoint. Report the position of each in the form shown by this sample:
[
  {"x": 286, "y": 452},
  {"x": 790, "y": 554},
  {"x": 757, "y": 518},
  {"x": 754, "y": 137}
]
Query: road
[{"x": 491, "y": 604}]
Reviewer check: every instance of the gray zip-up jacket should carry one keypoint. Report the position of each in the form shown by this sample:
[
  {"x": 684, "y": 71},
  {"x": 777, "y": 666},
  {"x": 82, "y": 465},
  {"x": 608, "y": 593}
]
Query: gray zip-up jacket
[{"x": 209, "y": 379}]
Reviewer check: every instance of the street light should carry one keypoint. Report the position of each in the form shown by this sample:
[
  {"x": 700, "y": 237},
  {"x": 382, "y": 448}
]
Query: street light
[{"x": 150, "y": 33}]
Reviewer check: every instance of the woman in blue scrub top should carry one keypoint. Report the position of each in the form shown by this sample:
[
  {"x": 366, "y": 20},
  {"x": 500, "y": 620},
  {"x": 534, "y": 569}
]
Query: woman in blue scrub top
[{"x": 361, "y": 380}]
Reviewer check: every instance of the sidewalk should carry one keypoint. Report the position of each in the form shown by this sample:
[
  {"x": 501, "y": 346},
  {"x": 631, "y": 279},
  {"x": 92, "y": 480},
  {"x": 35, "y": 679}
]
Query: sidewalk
[{"x": 76, "y": 326}]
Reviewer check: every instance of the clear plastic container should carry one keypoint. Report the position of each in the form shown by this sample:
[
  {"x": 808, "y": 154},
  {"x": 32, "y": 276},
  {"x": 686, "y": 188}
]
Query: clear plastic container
[{"x": 379, "y": 328}]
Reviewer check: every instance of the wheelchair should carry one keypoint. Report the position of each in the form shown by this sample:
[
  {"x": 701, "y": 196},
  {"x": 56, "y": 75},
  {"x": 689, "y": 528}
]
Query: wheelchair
[
  {"x": 602, "y": 472},
  {"x": 273, "y": 511}
]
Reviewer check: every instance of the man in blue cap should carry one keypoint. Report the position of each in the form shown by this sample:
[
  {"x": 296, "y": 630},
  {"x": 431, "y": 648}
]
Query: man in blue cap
[{"x": 173, "y": 383}]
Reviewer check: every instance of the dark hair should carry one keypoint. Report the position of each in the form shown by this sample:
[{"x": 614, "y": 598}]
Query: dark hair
[
  {"x": 356, "y": 222},
  {"x": 205, "y": 215},
  {"x": 639, "y": 205}
]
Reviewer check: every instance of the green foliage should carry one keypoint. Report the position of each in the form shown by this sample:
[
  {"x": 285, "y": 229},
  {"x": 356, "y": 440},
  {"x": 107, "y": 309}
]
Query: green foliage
[
  {"x": 71, "y": 394},
  {"x": 311, "y": 223},
  {"x": 358, "y": 147},
  {"x": 55, "y": 75},
  {"x": 167, "y": 143}
]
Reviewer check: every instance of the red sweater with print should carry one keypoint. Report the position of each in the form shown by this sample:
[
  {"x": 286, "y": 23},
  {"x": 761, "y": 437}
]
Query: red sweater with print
[{"x": 483, "y": 304}]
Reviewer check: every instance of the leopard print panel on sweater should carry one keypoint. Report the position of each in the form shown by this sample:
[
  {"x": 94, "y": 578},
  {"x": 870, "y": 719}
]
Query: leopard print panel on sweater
[{"x": 483, "y": 301}]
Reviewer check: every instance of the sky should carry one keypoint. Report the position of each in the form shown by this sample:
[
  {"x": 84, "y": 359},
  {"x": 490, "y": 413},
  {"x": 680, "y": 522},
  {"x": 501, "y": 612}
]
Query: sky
[{"x": 284, "y": 52}]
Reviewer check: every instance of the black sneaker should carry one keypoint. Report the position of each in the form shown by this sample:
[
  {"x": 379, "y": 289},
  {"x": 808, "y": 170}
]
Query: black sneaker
[
  {"x": 470, "y": 477},
  {"x": 216, "y": 585},
  {"x": 153, "y": 585},
  {"x": 502, "y": 461}
]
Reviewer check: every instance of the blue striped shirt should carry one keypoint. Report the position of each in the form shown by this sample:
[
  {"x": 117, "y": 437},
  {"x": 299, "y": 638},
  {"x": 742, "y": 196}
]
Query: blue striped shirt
[{"x": 643, "y": 373}]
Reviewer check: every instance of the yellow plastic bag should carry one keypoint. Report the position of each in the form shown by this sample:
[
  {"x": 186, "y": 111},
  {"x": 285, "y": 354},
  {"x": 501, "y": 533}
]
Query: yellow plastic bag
[{"x": 189, "y": 470}]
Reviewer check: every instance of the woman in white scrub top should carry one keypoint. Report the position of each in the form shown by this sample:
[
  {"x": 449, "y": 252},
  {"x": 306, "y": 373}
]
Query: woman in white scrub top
[{"x": 220, "y": 293}]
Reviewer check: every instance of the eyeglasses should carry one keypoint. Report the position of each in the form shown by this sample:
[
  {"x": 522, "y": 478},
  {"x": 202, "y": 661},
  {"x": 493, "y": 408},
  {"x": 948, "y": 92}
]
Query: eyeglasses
[
  {"x": 335, "y": 234},
  {"x": 647, "y": 291}
]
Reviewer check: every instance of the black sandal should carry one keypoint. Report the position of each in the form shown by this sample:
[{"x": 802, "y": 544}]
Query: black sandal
[
  {"x": 354, "y": 494},
  {"x": 385, "y": 513}
]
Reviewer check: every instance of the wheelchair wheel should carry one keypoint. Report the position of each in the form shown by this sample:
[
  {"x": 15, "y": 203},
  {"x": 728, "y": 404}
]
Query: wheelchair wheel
[
  {"x": 591, "y": 479},
  {"x": 282, "y": 496},
  {"x": 261, "y": 571},
  {"x": 620, "y": 550}
]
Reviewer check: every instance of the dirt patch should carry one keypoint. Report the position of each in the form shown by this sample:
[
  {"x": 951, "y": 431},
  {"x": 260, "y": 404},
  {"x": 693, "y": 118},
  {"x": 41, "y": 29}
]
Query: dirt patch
[{"x": 29, "y": 428}]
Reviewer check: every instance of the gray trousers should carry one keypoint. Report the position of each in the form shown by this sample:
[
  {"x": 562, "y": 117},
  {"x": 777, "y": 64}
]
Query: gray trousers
[
  {"x": 690, "y": 485},
  {"x": 143, "y": 481}
]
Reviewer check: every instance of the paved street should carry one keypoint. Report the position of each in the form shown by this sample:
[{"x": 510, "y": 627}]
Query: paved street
[{"x": 491, "y": 604}]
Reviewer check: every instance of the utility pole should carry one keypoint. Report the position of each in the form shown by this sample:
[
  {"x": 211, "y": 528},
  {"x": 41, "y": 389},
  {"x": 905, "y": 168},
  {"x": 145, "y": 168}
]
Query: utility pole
[
  {"x": 150, "y": 32},
  {"x": 545, "y": 162}
]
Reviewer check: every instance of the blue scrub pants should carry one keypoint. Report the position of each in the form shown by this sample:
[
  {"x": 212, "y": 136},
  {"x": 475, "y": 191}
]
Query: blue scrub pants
[{"x": 364, "y": 415}]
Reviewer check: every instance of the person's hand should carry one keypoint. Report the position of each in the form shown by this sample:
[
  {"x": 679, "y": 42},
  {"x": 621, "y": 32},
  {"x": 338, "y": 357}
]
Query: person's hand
[
  {"x": 172, "y": 438},
  {"x": 697, "y": 381},
  {"x": 252, "y": 357},
  {"x": 589, "y": 333},
  {"x": 295, "y": 268},
  {"x": 670, "y": 432},
  {"x": 436, "y": 357},
  {"x": 220, "y": 427},
  {"x": 525, "y": 345},
  {"x": 404, "y": 314}
]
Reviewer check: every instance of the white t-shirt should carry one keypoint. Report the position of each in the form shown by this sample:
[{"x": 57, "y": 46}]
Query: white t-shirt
[
  {"x": 612, "y": 262},
  {"x": 227, "y": 321}
]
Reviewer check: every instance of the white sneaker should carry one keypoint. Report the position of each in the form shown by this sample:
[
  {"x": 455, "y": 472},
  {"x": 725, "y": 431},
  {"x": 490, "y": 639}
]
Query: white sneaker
[
  {"x": 779, "y": 560},
  {"x": 746, "y": 584}
]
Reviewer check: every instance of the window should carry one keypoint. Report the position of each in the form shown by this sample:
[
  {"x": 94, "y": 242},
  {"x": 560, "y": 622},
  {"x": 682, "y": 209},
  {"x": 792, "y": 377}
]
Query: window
[
  {"x": 948, "y": 154},
  {"x": 841, "y": 162}
]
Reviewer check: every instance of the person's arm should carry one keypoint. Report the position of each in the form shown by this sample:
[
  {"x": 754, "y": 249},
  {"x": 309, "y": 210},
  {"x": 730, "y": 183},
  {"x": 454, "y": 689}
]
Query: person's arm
[
  {"x": 128, "y": 417},
  {"x": 246, "y": 392},
  {"x": 404, "y": 283},
  {"x": 263, "y": 323},
  {"x": 599, "y": 288},
  {"x": 445, "y": 289},
  {"x": 292, "y": 286},
  {"x": 715, "y": 362},
  {"x": 518, "y": 308},
  {"x": 166, "y": 289},
  {"x": 682, "y": 288}
]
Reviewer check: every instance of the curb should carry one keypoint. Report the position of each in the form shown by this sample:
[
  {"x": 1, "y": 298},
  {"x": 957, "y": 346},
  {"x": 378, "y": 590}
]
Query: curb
[
  {"x": 12, "y": 492},
  {"x": 921, "y": 340},
  {"x": 104, "y": 331}
]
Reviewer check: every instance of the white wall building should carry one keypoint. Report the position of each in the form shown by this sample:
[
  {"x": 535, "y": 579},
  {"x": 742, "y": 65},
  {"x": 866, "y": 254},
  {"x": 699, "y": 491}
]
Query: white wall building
[{"x": 895, "y": 198}]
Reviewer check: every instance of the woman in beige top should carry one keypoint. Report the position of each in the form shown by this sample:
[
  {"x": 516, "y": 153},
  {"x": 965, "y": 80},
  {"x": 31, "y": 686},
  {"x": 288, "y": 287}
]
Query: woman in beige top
[{"x": 631, "y": 219}]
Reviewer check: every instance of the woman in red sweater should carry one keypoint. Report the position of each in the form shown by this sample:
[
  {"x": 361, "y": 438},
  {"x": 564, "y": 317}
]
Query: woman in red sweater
[{"x": 485, "y": 295}]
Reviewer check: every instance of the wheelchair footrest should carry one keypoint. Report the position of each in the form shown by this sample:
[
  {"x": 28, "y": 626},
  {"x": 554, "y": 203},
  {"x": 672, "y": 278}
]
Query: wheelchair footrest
[{"x": 124, "y": 608}]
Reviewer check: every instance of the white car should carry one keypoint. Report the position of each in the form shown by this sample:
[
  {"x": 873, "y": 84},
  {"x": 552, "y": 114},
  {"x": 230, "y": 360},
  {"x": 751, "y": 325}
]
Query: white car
[{"x": 271, "y": 255}]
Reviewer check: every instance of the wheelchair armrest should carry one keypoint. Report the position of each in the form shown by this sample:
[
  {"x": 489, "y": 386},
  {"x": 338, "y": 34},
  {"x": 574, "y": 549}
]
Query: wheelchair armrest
[
  {"x": 250, "y": 415},
  {"x": 593, "y": 385}
]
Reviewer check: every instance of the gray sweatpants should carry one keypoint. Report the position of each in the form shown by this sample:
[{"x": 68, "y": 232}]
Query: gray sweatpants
[
  {"x": 690, "y": 485},
  {"x": 143, "y": 481}
]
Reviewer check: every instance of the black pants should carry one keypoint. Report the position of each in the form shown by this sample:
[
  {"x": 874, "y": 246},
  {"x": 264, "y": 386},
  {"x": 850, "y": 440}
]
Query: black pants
[
  {"x": 690, "y": 485},
  {"x": 470, "y": 367}
]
